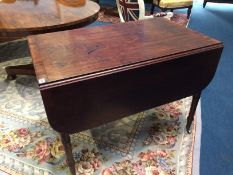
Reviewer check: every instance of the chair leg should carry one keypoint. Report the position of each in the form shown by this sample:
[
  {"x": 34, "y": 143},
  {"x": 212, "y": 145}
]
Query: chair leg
[
  {"x": 152, "y": 9},
  {"x": 189, "y": 11},
  {"x": 192, "y": 110}
]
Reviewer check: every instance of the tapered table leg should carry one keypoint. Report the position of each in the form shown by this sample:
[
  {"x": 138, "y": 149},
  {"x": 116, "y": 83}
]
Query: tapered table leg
[
  {"x": 204, "y": 3},
  {"x": 65, "y": 138},
  {"x": 193, "y": 107}
]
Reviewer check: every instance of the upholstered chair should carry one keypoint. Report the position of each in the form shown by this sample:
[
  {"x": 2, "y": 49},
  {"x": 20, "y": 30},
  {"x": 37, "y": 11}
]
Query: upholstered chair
[
  {"x": 172, "y": 5},
  {"x": 131, "y": 10}
]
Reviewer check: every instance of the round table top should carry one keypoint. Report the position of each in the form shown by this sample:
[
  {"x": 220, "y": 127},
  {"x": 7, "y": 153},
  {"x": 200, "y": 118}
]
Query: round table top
[{"x": 36, "y": 15}]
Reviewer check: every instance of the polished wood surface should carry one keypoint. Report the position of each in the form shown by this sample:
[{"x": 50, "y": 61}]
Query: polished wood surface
[
  {"x": 100, "y": 73},
  {"x": 21, "y": 18},
  {"x": 96, "y": 50}
]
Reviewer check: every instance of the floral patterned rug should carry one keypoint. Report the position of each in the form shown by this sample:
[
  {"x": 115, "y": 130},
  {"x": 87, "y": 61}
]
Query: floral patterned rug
[{"x": 152, "y": 142}]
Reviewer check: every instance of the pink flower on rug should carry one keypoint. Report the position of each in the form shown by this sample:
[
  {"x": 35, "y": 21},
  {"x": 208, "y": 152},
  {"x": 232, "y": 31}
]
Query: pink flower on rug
[
  {"x": 22, "y": 132},
  {"x": 139, "y": 168},
  {"x": 42, "y": 151},
  {"x": 162, "y": 153},
  {"x": 13, "y": 147},
  {"x": 96, "y": 163},
  {"x": 171, "y": 140},
  {"x": 172, "y": 109},
  {"x": 154, "y": 170},
  {"x": 150, "y": 155},
  {"x": 108, "y": 171}
]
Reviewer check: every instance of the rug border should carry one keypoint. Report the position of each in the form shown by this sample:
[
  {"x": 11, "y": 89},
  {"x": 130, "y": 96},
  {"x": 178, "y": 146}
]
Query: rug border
[{"x": 197, "y": 142}]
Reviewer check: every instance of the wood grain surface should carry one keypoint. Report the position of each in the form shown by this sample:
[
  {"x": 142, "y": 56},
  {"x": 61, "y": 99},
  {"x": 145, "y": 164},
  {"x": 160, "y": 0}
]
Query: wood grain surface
[{"x": 83, "y": 52}]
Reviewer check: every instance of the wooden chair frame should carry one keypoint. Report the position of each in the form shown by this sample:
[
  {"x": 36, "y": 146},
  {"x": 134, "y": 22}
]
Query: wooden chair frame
[{"x": 141, "y": 11}]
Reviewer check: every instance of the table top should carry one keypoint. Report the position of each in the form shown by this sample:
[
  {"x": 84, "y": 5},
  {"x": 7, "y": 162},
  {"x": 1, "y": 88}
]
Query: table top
[
  {"x": 36, "y": 15},
  {"x": 76, "y": 55}
]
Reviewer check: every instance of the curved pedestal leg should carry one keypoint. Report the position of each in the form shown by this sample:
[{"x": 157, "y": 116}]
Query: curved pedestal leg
[
  {"x": 193, "y": 107},
  {"x": 65, "y": 138}
]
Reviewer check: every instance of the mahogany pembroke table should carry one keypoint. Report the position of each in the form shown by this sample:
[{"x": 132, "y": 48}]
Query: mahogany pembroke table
[{"x": 91, "y": 76}]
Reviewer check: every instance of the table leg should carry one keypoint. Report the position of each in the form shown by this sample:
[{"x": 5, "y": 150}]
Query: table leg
[
  {"x": 12, "y": 71},
  {"x": 65, "y": 138},
  {"x": 193, "y": 107},
  {"x": 204, "y": 3}
]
